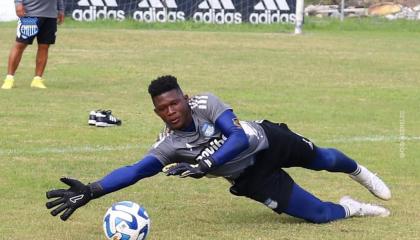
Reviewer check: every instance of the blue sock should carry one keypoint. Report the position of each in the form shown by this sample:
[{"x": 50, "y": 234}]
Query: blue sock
[
  {"x": 332, "y": 160},
  {"x": 304, "y": 205}
]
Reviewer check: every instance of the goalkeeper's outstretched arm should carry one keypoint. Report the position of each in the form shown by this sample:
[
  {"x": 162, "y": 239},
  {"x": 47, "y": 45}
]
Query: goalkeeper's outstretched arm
[
  {"x": 79, "y": 194},
  {"x": 128, "y": 175}
]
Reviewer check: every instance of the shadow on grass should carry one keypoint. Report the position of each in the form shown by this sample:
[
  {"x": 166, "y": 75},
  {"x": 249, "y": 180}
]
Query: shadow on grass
[{"x": 258, "y": 216}]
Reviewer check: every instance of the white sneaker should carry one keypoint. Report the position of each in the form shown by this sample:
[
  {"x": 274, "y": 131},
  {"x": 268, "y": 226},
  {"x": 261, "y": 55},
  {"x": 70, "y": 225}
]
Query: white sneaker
[
  {"x": 104, "y": 118},
  {"x": 359, "y": 209},
  {"x": 372, "y": 182}
]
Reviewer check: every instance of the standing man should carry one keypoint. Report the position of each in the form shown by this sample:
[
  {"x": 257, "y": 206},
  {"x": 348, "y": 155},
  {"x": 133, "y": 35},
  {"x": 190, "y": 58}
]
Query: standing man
[{"x": 37, "y": 18}]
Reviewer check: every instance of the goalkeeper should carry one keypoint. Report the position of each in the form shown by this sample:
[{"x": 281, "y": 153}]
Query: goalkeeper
[{"x": 203, "y": 137}]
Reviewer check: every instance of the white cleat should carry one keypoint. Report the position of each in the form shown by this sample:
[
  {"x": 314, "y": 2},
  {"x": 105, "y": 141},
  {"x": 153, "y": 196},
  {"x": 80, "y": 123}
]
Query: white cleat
[
  {"x": 359, "y": 209},
  {"x": 372, "y": 182}
]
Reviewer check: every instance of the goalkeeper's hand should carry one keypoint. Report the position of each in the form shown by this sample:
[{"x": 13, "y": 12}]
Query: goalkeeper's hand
[
  {"x": 190, "y": 170},
  {"x": 68, "y": 200}
]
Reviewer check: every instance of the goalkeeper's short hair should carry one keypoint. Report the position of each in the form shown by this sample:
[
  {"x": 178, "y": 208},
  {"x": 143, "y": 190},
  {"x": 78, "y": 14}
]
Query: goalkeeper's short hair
[{"x": 163, "y": 84}]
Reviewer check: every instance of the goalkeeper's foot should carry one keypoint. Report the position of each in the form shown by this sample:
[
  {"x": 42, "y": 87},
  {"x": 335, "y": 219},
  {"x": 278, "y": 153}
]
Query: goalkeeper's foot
[
  {"x": 38, "y": 82},
  {"x": 372, "y": 182},
  {"x": 359, "y": 209},
  {"x": 8, "y": 82}
]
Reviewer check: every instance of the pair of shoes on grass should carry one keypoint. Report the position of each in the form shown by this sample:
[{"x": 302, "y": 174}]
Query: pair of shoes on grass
[{"x": 103, "y": 118}]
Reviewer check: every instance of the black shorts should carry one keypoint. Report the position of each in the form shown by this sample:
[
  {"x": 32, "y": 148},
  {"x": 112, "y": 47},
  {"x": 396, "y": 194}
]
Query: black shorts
[
  {"x": 44, "y": 29},
  {"x": 266, "y": 181}
]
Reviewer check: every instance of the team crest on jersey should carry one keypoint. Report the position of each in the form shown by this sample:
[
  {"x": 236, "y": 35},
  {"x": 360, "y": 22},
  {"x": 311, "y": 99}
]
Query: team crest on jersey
[
  {"x": 27, "y": 27},
  {"x": 207, "y": 129}
]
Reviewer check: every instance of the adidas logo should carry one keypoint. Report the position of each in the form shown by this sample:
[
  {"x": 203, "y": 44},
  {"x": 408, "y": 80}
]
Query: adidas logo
[
  {"x": 268, "y": 11},
  {"x": 198, "y": 102},
  {"x": 98, "y": 3},
  {"x": 97, "y": 9},
  {"x": 217, "y": 11},
  {"x": 158, "y": 11}
]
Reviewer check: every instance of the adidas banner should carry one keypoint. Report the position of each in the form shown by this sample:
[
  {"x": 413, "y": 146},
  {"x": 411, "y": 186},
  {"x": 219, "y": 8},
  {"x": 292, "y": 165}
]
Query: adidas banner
[{"x": 206, "y": 11}]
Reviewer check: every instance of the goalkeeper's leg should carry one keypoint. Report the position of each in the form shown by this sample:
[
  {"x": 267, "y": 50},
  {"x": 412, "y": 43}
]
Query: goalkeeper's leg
[
  {"x": 333, "y": 160},
  {"x": 303, "y": 204}
]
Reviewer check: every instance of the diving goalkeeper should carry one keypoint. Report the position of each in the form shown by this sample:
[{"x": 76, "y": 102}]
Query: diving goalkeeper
[{"x": 204, "y": 138}]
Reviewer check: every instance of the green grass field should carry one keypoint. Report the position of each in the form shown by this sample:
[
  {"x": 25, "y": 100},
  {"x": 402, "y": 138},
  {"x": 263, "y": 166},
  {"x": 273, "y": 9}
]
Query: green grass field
[{"x": 344, "y": 86}]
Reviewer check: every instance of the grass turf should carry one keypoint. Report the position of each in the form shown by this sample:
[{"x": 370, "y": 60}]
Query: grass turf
[{"x": 343, "y": 85}]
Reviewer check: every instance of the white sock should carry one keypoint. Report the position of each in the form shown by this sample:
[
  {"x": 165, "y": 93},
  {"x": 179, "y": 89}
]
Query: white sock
[{"x": 347, "y": 211}]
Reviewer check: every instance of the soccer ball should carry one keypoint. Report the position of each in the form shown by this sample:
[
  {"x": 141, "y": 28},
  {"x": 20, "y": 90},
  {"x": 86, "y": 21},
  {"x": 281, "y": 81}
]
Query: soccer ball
[{"x": 126, "y": 221}]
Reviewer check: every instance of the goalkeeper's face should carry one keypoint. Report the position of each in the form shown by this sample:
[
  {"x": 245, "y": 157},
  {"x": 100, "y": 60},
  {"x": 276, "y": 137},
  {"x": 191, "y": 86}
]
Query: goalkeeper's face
[{"x": 172, "y": 107}]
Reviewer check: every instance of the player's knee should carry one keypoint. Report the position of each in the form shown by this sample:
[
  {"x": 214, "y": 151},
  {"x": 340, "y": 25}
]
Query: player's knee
[
  {"x": 20, "y": 46},
  {"x": 330, "y": 158},
  {"x": 321, "y": 214}
]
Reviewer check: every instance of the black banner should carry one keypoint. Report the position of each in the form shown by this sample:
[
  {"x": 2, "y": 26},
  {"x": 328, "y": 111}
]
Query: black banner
[{"x": 207, "y": 11}]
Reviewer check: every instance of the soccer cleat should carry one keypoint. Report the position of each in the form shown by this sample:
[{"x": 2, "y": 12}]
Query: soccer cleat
[
  {"x": 8, "y": 82},
  {"x": 38, "y": 82},
  {"x": 92, "y": 118},
  {"x": 359, "y": 209},
  {"x": 106, "y": 119},
  {"x": 372, "y": 182}
]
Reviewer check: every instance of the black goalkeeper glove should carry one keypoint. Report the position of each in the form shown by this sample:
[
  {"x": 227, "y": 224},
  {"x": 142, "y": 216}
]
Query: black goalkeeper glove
[
  {"x": 190, "y": 170},
  {"x": 68, "y": 200}
]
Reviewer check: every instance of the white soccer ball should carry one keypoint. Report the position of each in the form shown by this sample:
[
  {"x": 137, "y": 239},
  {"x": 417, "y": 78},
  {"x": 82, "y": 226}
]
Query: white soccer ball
[{"x": 126, "y": 221}]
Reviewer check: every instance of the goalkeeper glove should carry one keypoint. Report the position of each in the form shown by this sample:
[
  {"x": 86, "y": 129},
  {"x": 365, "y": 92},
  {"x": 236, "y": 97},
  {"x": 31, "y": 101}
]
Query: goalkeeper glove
[
  {"x": 68, "y": 200},
  {"x": 190, "y": 170}
]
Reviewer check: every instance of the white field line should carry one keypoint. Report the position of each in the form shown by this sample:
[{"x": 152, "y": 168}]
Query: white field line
[
  {"x": 360, "y": 139},
  {"x": 63, "y": 150},
  {"x": 98, "y": 148}
]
